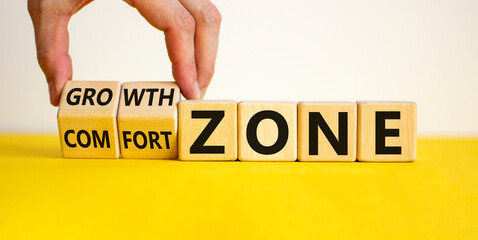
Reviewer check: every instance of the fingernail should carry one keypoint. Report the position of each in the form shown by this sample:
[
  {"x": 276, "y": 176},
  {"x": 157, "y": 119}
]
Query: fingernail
[
  {"x": 52, "y": 90},
  {"x": 203, "y": 92}
]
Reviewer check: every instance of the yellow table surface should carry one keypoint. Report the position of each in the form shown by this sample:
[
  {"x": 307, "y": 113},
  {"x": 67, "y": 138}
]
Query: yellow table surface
[{"x": 43, "y": 196}]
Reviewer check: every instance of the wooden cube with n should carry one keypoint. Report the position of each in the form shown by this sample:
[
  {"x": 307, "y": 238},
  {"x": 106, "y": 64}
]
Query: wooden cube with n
[
  {"x": 327, "y": 131},
  {"x": 147, "y": 120},
  {"x": 87, "y": 119}
]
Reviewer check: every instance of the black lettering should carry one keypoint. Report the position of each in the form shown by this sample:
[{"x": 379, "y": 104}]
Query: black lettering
[
  {"x": 381, "y": 133},
  {"x": 126, "y": 139},
  {"x": 135, "y": 138},
  {"x": 166, "y": 138},
  {"x": 68, "y": 132},
  {"x": 153, "y": 138},
  {"x": 134, "y": 95},
  {"x": 105, "y": 139},
  {"x": 151, "y": 95},
  {"x": 88, "y": 139},
  {"x": 76, "y": 98},
  {"x": 170, "y": 97},
  {"x": 340, "y": 145},
  {"x": 251, "y": 132},
  {"x": 198, "y": 145},
  {"x": 89, "y": 93},
  {"x": 108, "y": 100}
]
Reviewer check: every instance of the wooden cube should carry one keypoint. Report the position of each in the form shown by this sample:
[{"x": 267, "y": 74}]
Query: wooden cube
[
  {"x": 267, "y": 131},
  {"x": 87, "y": 119},
  {"x": 207, "y": 130},
  {"x": 327, "y": 131},
  {"x": 147, "y": 120},
  {"x": 387, "y": 131}
]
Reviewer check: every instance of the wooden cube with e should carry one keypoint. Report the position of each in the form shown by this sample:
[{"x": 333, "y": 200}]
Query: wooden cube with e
[
  {"x": 327, "y": 131},
  {"x": 267, "y": 131},
  {"x": 207, "y": 130},
  {"x": 387, "y": 131},
  {"x": 87, "y": 119},
  {"x": 147, "y": 120}
]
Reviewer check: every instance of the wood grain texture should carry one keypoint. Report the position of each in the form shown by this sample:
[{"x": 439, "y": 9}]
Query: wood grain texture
[
  {"x": 267, "y": 131},
  {"x": 329, "y": 111},
  {"x": 406, "y": 124},
  {"x": 147, "y": 120},
  {"x": 223, "y": 138},
  {"x": 87, "y": 120}
]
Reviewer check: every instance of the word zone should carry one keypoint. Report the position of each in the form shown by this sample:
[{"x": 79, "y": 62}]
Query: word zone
[{"x": 147, "y": 120}]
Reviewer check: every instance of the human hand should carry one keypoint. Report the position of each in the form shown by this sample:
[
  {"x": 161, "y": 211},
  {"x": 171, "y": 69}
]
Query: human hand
[{"x": 191, "y": 29}]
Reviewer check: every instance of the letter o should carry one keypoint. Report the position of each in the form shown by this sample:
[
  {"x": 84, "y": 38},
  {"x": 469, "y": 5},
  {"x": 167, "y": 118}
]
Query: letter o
[
  {"x": 108, "y": 100},
  {"x": 135, "y": 139},
  {"x": 251, "y": 132},
  {"x": 88, "y": 139}
]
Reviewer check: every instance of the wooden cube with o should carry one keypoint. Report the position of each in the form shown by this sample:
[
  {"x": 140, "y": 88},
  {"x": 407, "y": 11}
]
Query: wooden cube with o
[
  {"x": 207, "y": 130},
  {"x": 147, "y": 120},
  {"x": 267, "y": 131},
  {"x": 327, "y": 131},
  {"x": 87, "y": 119},
  {"x": 387, "y": 131}
]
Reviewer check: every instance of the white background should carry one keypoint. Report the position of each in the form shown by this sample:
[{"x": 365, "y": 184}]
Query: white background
[{"x": 416, "y": 50}]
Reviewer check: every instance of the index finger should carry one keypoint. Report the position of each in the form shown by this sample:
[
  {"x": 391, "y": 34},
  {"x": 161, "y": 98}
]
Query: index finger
[
  {"x": 179, "y": 29},
  {"x": 208, "y": 22}
]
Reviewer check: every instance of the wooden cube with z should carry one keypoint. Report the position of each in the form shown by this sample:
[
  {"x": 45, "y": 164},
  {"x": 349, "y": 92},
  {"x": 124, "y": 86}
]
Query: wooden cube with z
[
  {"x": 147, "y": 120},
  {"x": 387, "y": 131},
  {"x": 87, "y": 119},
  {"x": 327, "y": 131},
  {"x": 207, "y": 130}
]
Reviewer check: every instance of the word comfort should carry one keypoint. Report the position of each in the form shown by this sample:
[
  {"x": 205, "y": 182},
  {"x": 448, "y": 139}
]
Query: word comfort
[{"x": 148, "y": 120}]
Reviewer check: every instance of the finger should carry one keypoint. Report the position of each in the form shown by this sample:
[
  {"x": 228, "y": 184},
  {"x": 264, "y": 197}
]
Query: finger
[
  {"x": 179, "y": 27},
  {"x": 208, "y": 22},
  {"x": 51, "y": 37},
  {"x": 50, "y": 21}
]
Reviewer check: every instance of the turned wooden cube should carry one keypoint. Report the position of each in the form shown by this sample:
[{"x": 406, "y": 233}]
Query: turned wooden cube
[
  {"x": 387, "y": 131},
  {"x": 147, "y": 120},
  {"x": 87, "y": 119},
  {"x": 327, "y": 131},
  {"x": 207, "y": 130},
  {"x": 267, "y": 131}
]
